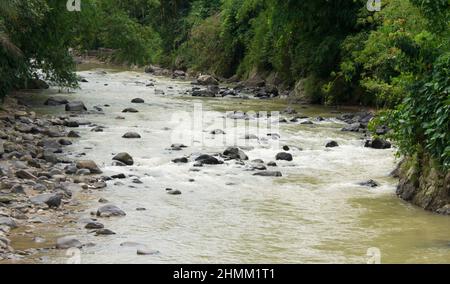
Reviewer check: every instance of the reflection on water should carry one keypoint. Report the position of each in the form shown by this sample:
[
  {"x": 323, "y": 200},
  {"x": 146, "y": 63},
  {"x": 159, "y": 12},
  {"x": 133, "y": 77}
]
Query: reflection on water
[{"x": 315, "y": 213}]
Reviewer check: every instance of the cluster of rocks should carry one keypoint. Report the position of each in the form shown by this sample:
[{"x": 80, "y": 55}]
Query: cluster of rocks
[
  {"x": 36, "y": 179},
  {"x": 240, "y": 157}
]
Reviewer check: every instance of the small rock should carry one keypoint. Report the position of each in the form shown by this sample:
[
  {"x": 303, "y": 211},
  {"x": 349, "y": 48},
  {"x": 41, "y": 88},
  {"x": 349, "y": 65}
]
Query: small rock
[
  {"x": 94, "y": 226},
  {"x": 218, "y": 132},
  {"x": 369, "y": 183},
  {"x": 137, "y": 101},
  {"x": 268, "y": 174},
  {"x": 131, "y": 135},
  {"x": 54, "y": 201},
  {"x": 119, "y": 176},
  {"x": 73, "y": 134},
  {"x": 23, "y": 174},
  {"x": 89, "y": 165},
  {"x": 208, "y": 160},
  {"x": 147, "y": 252},
  {"x": 130, "y": 110},
  {"x": 124, "y": 158},
  {"x": 332, "y": 144},
  {"x": 110, "y": 211},
  {"x": 378, "y": 143},
  {"x": 104, "y": 232},
  {"x": 55, "y": 101},
  {"x": 183, "y": 160},
  {"x": 235, "y": 154},
  {"x": 173, "y": 191},
  {"x": 284, "y": 157},
  {"x": 76, "y": 106},
  {"x": 67, "y": 243}
]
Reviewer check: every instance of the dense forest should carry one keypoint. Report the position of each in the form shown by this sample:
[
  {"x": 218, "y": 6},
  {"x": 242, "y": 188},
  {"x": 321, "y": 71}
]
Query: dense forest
[{"x": 329, "y": 52}]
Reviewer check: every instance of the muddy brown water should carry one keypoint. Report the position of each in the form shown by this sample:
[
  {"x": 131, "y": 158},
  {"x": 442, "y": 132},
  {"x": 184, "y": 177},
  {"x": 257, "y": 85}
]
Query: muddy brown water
[{"x": 315, "y": 213}]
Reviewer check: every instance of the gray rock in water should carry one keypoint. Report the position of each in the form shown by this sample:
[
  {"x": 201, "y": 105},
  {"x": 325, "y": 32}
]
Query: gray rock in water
[
  {"x": 354, "y": 127},
  {"x": 104, "y": 232},
  {"x": 76, "y": 106},
  {"x": 73, "y": 134},
  {"x": 208, "y": 160},
  {"x": 71, "y": 123},
  {"x": 124, "y": 158},
  {"x": 369, "y": 183},
  {"x": 97, "y": 129},
  {"x": 143, "y": 251},
  {"x": 173, "y": 191},
  {"x": 55, "y": 101},
  {"x": 138, "y": 101},
  {"x": 378, "y": 143},
  {"x": 251, "y": 137},
  {"x": 110, "y": 211},
  {"x": 235, "y": 154},
  {"x": 119, "y": 176},
  {"x": 65, "y": 142},
  {"x": 272, "y": 164},
  {"x": 218, "y": 132},
  {"x": 67, "y": 243},
  {"x": 131, "y": 135},
  {"x": 332, "y": 144},
  {"x": 284, "y": 157},
  {"x": 183, "y": 160},
  {"x": 268, "y": 174},
  {"x": 130, "y": 110}
]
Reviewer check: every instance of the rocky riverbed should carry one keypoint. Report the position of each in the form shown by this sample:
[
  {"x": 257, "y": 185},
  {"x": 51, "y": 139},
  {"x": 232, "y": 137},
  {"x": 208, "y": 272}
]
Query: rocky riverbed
[{"x": 108, "y": 170}]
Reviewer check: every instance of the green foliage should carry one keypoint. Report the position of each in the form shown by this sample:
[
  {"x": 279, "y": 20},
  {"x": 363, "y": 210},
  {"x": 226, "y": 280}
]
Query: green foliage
[
  {"x": 34, "y": 43},
  {"x": 423, "y": 119}
]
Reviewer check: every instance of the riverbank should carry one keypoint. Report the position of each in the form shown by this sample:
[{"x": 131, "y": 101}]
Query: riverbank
[{"x": 38, "y": 184}]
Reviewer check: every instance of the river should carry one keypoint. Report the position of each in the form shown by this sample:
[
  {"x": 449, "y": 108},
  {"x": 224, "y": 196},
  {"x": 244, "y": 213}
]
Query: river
[{"x": 315, "y": 213}]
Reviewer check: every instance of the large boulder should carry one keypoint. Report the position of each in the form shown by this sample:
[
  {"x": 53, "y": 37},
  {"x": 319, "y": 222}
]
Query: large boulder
[
  {"x": 124, "y": 158},
  {"x": 76, "y": 106},
  {"x": 235, "y": 154},
  {"x": 110, "y": 211},
  {"x": 207, "y": 80},
  {"x": 89, "y": 165}
]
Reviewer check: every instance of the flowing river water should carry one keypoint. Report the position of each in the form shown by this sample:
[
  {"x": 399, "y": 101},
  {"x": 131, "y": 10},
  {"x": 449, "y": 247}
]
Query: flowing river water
[{"x": 315, "y": 213}]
